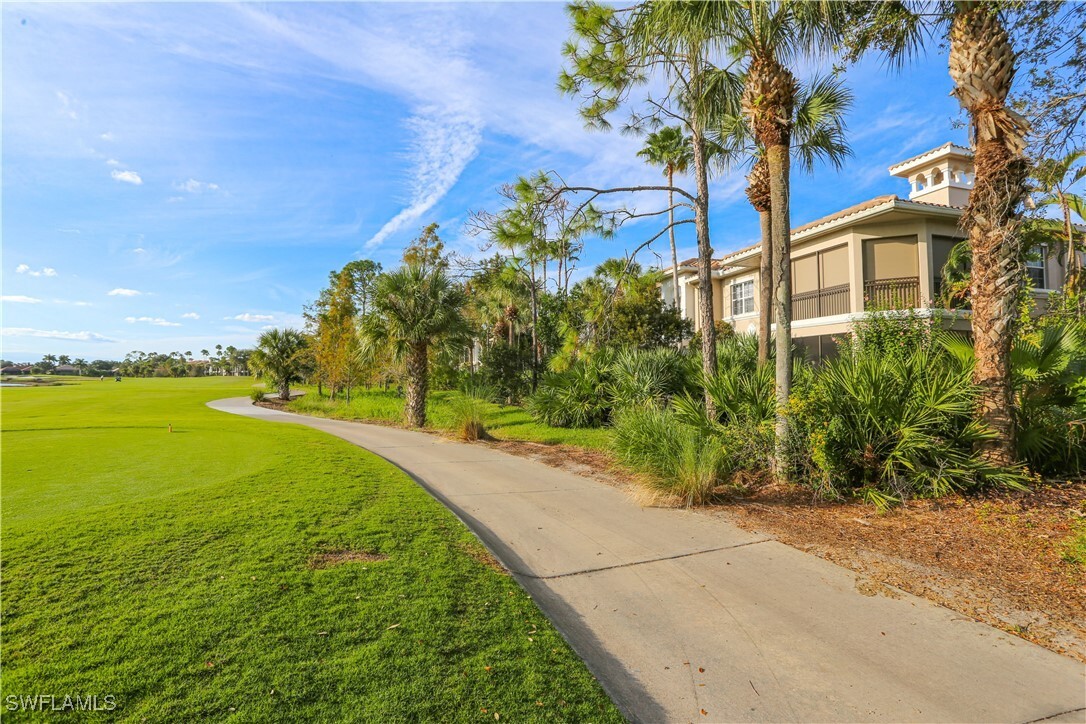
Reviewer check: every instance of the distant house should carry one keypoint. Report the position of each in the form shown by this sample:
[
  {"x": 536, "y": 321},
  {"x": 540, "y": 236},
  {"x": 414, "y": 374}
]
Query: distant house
[
  {"x": 886, "y": 252},
  {"x": 65, "y": 370},
  {"x": 14, "y": 370}
]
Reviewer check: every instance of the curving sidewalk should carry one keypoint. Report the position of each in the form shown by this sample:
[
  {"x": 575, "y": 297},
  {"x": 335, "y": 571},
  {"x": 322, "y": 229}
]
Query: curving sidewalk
[{"x": 684, "y": 617}]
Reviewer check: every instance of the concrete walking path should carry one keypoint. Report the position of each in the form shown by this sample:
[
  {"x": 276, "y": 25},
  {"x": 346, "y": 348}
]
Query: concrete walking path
[{"x": 684, "y": 617}]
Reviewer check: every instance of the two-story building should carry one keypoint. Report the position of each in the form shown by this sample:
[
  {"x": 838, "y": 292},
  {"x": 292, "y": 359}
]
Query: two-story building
[{"x": 886, "y": 252}]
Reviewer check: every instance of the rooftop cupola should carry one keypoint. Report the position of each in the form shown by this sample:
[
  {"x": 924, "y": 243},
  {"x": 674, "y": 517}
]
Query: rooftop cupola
[{"x": 943, "y": 175}]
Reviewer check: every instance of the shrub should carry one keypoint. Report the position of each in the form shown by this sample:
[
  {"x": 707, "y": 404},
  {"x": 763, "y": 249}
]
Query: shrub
[
  {"x": 506, "y": 369},
  {"x": 673, "y": 458},
  {"x": 890, "y": 426},
  {"x": 574, "y": 398},
  {"x": 1049, "y": 377},
  {"x": 637, "y": 377},
  {"x": 256, "y": 395}
]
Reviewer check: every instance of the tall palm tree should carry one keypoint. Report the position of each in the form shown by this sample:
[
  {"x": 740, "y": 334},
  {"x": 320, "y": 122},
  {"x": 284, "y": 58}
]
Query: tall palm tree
[
  {"x": 414, "y": 309},
  {"x": 1052, "y": 180},
  {"x": 768, "y": 35},
  {"x": 982, "y": 63},
  {"x": 278, "y": 356},
  {"x": 670, "y": 149},
  {"x": 818, "y": 136}
]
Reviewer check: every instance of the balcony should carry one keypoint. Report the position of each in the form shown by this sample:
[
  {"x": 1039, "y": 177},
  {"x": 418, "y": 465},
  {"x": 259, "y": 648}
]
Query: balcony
[
  {"x": 821, "y": 303},
  {"x": 897, "y": 293}
]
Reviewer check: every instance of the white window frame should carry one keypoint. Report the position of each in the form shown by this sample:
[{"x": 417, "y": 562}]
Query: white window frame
[
  {"x": 1042, "y": 265},
  {"x": 742, "y": 303}
]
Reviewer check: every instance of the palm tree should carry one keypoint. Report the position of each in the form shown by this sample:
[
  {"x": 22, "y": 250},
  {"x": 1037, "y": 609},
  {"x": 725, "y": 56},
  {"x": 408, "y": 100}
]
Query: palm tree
[
  {"x": 414, "y": 309},
  {"x": 818, "y": 136},
  {"x": 278, "y": 356},
  {"x": 1053, "y": 179},
  {"x": 982, "y": 63},
  {"x": 767, "y": 35},
  {"x": 80, "y": 364},
  {"x": 670, "y": 149}
]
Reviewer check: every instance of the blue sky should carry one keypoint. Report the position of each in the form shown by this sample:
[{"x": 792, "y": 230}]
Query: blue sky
[{"x": 181, "y": 175}]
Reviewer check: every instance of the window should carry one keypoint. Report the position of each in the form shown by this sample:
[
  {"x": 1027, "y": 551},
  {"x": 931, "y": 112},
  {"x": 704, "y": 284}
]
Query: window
[
  {"x": 743, "y": 298},
  {"x": 1035, "y": 267}
]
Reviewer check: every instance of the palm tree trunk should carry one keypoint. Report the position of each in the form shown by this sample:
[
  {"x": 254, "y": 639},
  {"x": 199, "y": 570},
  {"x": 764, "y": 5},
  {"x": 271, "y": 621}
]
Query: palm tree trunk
[
  {"x": 671, "y": 235},
  {"x": 284, "y": 390},
  {"x": 417, "y": 384},
  {"x": 705, "y": 262},
  {"x": 765, "y": 287},
  {"x": 982, "y": 63},
  {"x": 779, "y": 161}
]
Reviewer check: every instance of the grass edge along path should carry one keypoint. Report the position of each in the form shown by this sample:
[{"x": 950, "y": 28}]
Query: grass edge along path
[
  {"x": 301, "y": 578},
  {"x": 503, "y": 422}
]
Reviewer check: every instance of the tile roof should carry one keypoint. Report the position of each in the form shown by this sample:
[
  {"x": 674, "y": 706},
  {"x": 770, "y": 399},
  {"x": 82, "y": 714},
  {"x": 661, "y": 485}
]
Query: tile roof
[
  {"x": 889, "y": 200},
  {"x": 949, "y": 145}
]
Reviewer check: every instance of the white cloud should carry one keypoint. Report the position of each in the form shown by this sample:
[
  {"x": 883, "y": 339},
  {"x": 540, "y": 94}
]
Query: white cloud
[
  {"x": 67, "y": 105},
  {"x": 445, "y": 143},
  {"x": 195, "y": 187},
  {"x": 107, "y": 136},
  {"x": 190, "y": 315},
  {"x": 122, "y": 292},
  {"x": 19, "y": 299},
  {"x": 156, "y": 321},
  {"x": 139, "y": 250},
  {"x": 128, "y": 177},
  {"x": 54, "y": 334},
  {"x": 83, "y": 304},
  {"x": 175, "y": 199},
  {"x": 247, "y": 317},
  {"x": 113, "y": 162},
  {"x": 46, "y": 271}
]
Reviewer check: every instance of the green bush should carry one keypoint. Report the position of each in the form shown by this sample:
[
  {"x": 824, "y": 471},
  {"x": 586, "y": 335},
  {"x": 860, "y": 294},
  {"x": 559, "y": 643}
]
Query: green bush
[
  {"x": 657, "y": 375},
  {"x": 256, "y": 394},
  {"x": 672, "y": 457},
  {"x": 507, "y": 370},
  {"x": 577, "y": 397},
  {"x": 1049, "y": 377},
  {"x": 891, "y": 426}
]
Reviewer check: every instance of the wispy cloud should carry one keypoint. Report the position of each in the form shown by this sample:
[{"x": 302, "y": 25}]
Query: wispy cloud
[
  {"x": 195, "y": 187},
  {"x": 47, "y": 271},
  {"x": 155, "y": 321},
  {"x": 247, "y": 317},
  {"x": 113, "y": 162},
  {"x": 444, "y": 144},
  {"x": 128, "y": 177},
  {"x": 190, "y": 315},
  {"x": 67, "y": 106},
  {"x": 55, "y": 334},
  {"x": 19, "y": 299},
  {"x": 122, "y": 292}
]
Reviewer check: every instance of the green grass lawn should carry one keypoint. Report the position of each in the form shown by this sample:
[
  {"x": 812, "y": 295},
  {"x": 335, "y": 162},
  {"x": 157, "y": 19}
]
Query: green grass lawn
[
  {"x": 173, "y": 571},
  {"x": 502, "y": 422}
]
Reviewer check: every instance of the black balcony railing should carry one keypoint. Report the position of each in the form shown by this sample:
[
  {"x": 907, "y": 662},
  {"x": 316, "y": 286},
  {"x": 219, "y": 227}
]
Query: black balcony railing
[
  {"x": 897, "y": 293},
  {"x": 821, "y": 303}
]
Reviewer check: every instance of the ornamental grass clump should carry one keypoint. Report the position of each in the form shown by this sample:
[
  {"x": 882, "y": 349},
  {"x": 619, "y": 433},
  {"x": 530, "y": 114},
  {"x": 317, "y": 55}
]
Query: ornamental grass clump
[
  {"x": 467, "y": 410},
  {"x": 671, "y": 458}
]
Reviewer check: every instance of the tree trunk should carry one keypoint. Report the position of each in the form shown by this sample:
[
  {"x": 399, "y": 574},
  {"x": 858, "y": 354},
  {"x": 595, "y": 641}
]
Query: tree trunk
[
  {"x": 284, "y": 390},
  {"x": 982, "y": 64},
  {"x": 535, "y": 340},
  {"x": 671, "y": 234},
  {"x": 778, "y": 158},
  {"x": 1071, "y": 276},
  {"x": 418, "y": 383},
  {"x": 765, "y": 287},
  {"x": 705, "y": 264}
]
